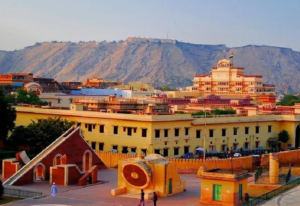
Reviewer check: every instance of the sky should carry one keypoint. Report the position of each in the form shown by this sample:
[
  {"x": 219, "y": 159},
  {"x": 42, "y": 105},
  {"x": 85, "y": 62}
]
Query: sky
[{"x": 231, "y": 22}]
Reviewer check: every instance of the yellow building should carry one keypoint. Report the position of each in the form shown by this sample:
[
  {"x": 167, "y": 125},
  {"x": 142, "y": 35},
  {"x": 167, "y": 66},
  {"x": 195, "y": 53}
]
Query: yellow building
[
  {"x": 152, "y": 173},
  {"x": 229, "y": 81},
  {"x": 219, "y": 187},
  {"x": 170, "y": 135}
]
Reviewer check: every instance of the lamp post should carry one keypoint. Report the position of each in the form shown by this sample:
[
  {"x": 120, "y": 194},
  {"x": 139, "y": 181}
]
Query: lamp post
[{"x": 204, "y": 151}]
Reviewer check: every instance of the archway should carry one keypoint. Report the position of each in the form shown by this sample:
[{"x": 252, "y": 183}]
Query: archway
[
  {"x": 87, "y": 161},
  {"x": 56, "y": 160},
  {"x": 39, "y": 172},
  {"x": 297, "y": 137}
]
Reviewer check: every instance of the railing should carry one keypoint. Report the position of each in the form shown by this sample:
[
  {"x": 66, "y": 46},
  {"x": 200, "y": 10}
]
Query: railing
[
  {"x": 288, "y": 176},
  {"x": 12, "y": 192},
  {"x": 258, "y": 173},
  {"x": 273, "y": 193}
]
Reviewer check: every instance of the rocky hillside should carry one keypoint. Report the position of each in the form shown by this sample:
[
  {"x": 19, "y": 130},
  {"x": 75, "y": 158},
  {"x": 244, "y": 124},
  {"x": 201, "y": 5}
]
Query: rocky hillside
[{"x": 170, "y": 62}]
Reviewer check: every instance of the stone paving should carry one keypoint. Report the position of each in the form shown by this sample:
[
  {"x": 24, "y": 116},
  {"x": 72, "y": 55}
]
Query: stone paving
[
  {"x": 289, "y": 198},
  {"x": 100, "y": 194}
]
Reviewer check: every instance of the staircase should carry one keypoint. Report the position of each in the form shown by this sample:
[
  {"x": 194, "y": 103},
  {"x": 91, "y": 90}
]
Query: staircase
[
  {"x": 265, "y": 179},
  {"x": 38, "y": 158}
]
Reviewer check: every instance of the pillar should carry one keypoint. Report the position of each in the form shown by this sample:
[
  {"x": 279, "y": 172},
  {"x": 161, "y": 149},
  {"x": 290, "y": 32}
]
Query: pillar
[{"x": 274, "y": 168}]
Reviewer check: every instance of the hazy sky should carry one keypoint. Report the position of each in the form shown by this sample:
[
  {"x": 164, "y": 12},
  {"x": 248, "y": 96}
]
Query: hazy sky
[{"x": 230, "y": 22}]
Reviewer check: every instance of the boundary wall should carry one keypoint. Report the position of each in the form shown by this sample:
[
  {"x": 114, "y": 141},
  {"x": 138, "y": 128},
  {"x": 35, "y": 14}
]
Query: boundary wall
[
  {"x": 284, "y": 158},
  {"x": 184, "y": 166}
]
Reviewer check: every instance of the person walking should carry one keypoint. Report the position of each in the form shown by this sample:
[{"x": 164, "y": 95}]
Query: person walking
[
  {"x": 142, "y": 200},
  {"x": 54, "y": 190},
  {"x": 154, "y": 198}
]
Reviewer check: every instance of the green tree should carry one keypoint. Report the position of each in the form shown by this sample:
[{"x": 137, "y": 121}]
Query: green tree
[
  {"x": 283, "y": 136},
  {"x": 7, "y": 116},
  {"x": 22, "y": 96},
  {"x": 167, "y": 89},
  {"x": 1, "y": 189},
  {"x": 227, "y": 111},
  {"x": 20, "y": 135},
  {"x": 289, "y": 100},
  {"x": 45, "y": 131}
]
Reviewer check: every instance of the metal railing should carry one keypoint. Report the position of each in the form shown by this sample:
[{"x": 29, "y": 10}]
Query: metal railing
[
  {"x": 288, "y": 176},
  {"x": 258, "y": 173},
  {"x": 273, "y": 193},
  {"x": 12, "y": 192}
]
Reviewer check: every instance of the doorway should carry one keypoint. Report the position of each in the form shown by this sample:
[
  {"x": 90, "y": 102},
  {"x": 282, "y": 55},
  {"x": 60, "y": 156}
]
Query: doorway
[
  {"x": 39, "y": 172},
  {"x": 170, "y": 186},
  {"x": 297, "y": 137},
  {"x": 217, "y": 192}
]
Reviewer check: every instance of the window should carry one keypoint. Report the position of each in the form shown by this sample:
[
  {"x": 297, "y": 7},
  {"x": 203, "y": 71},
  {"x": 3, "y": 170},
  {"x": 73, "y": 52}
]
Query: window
[
  {"x": 90, "y": 128},
  {"x": 223, "y": 132},
  {"x": 186, "y": 149},
  {"x": 176, "y": 151},
  {"x": 124, "y": 150},
  {"x": 157, "y": 151},
  {"x": 58, "y": 101},
  {"x": 144, "y": 132},
  {"x": 71, "y": 101},
  {"x": 101, "y": 146},
  {"x": 166, "y": 131},
  {"x": 211, "y": 133},
  {"x": 157, "y": 133},
  {"x": 101, "y": 128},
  {"x": 93, "y": 145},
  {"x": 257, "y": 129},
  {"x": 235, "y": 129},
  {"x": 186, "y": 131},
  {"x": 270, "y": 128},
  {"x": 129, "y": 131},
  {"x": 133, "y": 149},
  {"x": 144, "y": 151},
  {"x": 198, "y": 133},
  {"x": 246, "y": 145},
  {"x": 166, "y": 152},
  {"x": 176, "y": 132},
  {"x": 246, "y": 130},
  {"x": 115, "y": 129},
  {"x": 78, "y": 124},
  {"x": 115, "y": 147},
  {"x": 217, "y": 195},
  {"x": 240, "y": 191}
]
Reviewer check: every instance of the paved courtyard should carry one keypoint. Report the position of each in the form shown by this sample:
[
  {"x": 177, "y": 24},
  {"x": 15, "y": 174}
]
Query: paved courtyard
[
  {"x": 100, "y": 194},
  {"x": 289, "y": 198}
]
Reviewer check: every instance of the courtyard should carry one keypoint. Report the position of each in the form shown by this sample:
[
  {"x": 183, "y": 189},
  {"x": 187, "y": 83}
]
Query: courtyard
[{"x": 99, "y": 194}]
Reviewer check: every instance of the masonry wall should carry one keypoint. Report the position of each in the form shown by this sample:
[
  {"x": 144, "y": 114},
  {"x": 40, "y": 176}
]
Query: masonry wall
[
  {"x": 188, "y": 166},
  {"x": 284, "y": 158},
  {"x": 74, "y": 148},
  {"x": 9, "y": 168},
  {"x": 58, "y": 175}
]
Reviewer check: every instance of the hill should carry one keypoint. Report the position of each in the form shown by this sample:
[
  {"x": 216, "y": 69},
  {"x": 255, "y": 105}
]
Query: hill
[{"x": 171, "y": 62}]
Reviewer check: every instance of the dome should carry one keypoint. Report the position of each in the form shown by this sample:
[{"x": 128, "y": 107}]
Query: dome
[{"x": 32, "y": 86}]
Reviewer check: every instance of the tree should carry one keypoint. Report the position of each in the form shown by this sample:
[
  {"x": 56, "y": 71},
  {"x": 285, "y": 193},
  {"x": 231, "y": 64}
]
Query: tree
[
  {"x": 289, "y": 100},
  {"x": 23, "y": 96},
  {"x": 283, "y": 136},
  {"x": 20, "y": 135},
  {"x": 1, "y": 189},
  {"x": 45, "y": 131},
  {"x": 7, "y": 116},
  {"x": 227, "y": 111}
]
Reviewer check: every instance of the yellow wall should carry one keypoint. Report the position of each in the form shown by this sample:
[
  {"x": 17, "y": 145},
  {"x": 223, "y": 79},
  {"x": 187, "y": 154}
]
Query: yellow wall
[{"x": 170, "y": 122}]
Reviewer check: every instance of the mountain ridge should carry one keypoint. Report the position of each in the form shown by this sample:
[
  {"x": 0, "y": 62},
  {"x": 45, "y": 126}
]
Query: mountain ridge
[{"x": 172, "y": 62}]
